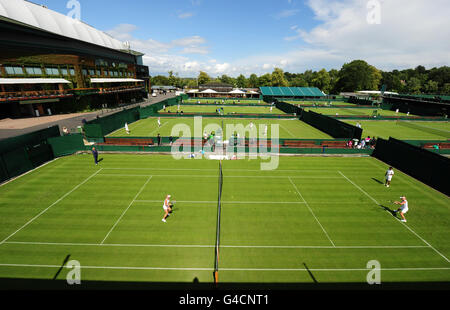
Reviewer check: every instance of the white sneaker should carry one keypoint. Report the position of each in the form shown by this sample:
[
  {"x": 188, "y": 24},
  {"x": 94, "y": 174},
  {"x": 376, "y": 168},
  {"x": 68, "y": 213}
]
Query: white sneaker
[
  {"x": 387, "y": 185},
  {"x": 163, "y": 220},
  {"x": 403, "y": 221}
]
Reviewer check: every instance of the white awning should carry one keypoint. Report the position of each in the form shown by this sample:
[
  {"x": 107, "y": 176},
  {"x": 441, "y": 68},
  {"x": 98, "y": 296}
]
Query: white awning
[
  {"x": 193, "y": 91},
  {"x": 209, "y": 91},
  {"x": 115, "y": 80},
  {"x": 33, "y": 81},
  {"x": 236, "y": 91}
]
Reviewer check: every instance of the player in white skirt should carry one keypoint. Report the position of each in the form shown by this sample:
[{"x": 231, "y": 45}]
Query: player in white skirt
[
  {"x": 403, "y": 207},
  {"x": 167, "y": 208}
]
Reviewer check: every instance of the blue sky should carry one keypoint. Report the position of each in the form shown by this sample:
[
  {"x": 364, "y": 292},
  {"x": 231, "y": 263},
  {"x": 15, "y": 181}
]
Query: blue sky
[{"x": 254, "y": 36}]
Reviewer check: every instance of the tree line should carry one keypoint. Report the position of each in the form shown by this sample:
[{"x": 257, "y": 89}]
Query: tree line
[{"x": 354, "y": 76}]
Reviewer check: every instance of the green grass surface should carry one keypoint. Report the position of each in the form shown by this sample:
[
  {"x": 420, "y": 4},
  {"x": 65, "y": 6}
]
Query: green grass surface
[
  {"x": 227, "y": 109},
  {"x": 289, "y": 129},
  {"x": 230, "y": 101},
  {"x": 319, "y": 103},
  {"x": 356, "y": 112},
  {"x": 405, "y": 130},
  {"x": 323, "y": 213}
]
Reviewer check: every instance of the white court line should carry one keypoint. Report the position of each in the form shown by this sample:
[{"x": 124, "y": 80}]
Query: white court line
[
  {"x": 310, "y": 210},
  {"x": 165, "y": 123},
  {"x": 233, "y": 202},
  {"x": 215, "y": 176},
  {"x": 123, "y": 213},
  {"x": 193, "y": 169},
  {"x": 222, "y": 246},
  {"x": 227, "y": 269},
  {"x": 404, "y": 225},
  {"x": 45, "y": 210}
]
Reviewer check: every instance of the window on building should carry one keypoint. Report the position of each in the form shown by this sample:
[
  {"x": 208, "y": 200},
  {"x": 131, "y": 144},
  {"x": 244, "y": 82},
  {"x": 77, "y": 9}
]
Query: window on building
[
  {"x": 101, "y": 63},
  {"x": 14, "y": 70},
  {"x": 72, "y": 71},
  {"x": 84, "y": 72},
  {"x": 52, "y": 71},
  {"x": 116, "y": 73},
  {"x": 91, "y": 72},
  {"x": 99, "y": 72},
  {"x": 34, "y": 70},
  {"x": 64, "y": 71}
]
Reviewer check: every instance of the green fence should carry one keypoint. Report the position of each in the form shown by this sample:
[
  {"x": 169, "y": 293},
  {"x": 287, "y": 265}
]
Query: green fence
[
  {"x": 23, "y": 153},
  {"x": 100, "y": 127},
  {"x": 28, "y": 139},
  {"x": 153, "y": 109},
  {"x": 331, "y": 126},
  {"x": 428, "y": 167},
  {"x": 66, "y": 145}
]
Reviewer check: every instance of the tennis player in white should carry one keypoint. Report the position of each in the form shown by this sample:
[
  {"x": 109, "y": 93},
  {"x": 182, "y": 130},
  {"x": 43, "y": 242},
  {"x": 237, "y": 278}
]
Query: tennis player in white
[
  {"x": 126, "y": 128},
  {"x": 167, "y": 208},
  {"x": 388, "y": 175},
  {"x": 159, "y": 122},
  {"x": 403, "y": 207}
]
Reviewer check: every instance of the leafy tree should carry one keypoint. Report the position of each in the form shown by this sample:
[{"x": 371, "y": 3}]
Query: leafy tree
[
  {"x": 253, "y": 81},
  {"x": 414, "y": 85},
  {"x": 322, "y": 80},
  {"x": 203, "y": 78},
  {"x": 358, "y": 75},
  {"x": 278, "y": 78},
  {"x": 432, "y": 87},
  {"x": 241, "y": 81},
  {"x": 265, "y": 80}
]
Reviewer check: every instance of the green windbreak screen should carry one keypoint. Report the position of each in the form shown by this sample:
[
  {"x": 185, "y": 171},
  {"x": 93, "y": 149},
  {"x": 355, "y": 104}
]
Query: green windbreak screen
[
  {"x": 28, "y": 139},
  {"x": 17, "y": 162},
  {"x": 66, "y": 145}
]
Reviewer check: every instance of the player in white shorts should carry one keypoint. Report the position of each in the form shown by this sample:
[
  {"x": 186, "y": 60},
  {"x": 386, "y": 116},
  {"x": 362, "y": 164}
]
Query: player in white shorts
[
  {"x": 403, "y": 207},
  {"x": 167, "y": 208},
  {"x": 388, "y": 175}
]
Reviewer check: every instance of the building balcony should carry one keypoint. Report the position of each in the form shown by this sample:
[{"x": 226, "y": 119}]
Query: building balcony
[
  {"x": 50, "y": 94},
  {"x": 33, "y": 95}
]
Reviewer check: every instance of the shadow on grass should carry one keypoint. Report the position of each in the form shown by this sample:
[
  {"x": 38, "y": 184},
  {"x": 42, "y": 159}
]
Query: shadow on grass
[
  {"x": 62, "y": 266},
  {"x": 310, "y": 273},
  {"x": 378, "y": 181},
  {"x": 391, "y": 211}
]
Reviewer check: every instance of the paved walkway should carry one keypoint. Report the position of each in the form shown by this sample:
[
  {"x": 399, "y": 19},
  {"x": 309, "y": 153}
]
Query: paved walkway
[{"x": 15, "y": 127}]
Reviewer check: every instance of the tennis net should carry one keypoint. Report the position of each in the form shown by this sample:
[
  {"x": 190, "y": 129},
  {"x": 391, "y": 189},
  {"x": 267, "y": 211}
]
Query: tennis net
[{"x": 219, "y": 211}]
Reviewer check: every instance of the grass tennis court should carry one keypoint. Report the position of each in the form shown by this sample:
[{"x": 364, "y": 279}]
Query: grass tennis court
[
  {"x": 226, "y": 109},
  {"x": 406, "y": 130},
  {"x": 319, "y": 103},
  {"x": 228, "y": 101},
  {"x": 288, "y": 129},
  {"x": 312, "y": 217},
  {"x": 357, "y": 112}
]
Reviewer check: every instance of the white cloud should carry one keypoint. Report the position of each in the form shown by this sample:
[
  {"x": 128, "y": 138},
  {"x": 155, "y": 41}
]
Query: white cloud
[
  {"x": 411, "y": 33},
  {"x": 185, "y": 15},
  {"x": 286, "y": 13}
]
